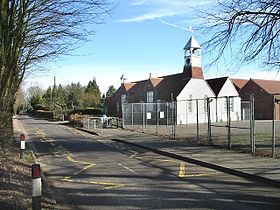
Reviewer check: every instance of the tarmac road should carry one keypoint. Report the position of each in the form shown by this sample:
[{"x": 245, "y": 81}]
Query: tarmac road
[{"x": 92, "y": 172}]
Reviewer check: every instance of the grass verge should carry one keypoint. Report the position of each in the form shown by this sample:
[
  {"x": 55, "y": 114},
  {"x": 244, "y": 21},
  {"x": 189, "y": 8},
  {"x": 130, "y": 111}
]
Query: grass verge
[{"x": 15, "y": 182}]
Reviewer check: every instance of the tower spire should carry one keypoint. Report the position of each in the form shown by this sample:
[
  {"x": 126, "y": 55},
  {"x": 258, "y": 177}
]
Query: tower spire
[{"x": 192, "y": 67}]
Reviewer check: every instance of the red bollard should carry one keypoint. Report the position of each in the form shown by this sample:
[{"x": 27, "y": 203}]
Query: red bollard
[
  {"x": 36, "y": 187},
  {"x": 22, "y": 145}
]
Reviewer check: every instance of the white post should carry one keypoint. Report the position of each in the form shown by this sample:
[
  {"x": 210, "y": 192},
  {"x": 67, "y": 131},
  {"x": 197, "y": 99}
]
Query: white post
[
  {"x": 22, "y": 145},
  {"x": 36, "y": 187}
]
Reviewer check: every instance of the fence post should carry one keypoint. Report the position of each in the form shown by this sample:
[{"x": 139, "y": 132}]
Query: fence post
[
  {"x": 175, "y": 118},
  {"x": 132, "y": 117},
  {"x": 123, "y": 119},
  {"x": 146, "y": 120},
  {"x": 167, "y": 113},
  {"x": 197, "y": 121},
  {"x": 172, "y": 119},
  {"x": 157, "y": 116},
  {"x": 209, "y": 122},
  {"x": 143, "y": 117},
  {"x": 228, "y": 121},
  {"x": 36, "y": 187},
  {"x": 252, "y": 124},
  {"x": 273, "y": 127}
]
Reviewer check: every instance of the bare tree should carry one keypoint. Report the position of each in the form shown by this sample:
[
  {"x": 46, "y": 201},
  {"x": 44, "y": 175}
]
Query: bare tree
[
  {"x": 32, "y": 31},
  {"x": 249, "y": 29}
]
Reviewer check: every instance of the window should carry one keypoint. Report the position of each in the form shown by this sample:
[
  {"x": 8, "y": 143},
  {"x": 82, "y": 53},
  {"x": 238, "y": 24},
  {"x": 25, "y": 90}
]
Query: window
[
  {"x": 150, "y": 96},
  {"x": 118, "y": 107},
  {"x": 123, "y": 98},
  {"x": 231, "y": 104},
  {"x": 205, "y": 103},
  {"x": 190, "y": 105},
  {"x": 150, "y": 99}
]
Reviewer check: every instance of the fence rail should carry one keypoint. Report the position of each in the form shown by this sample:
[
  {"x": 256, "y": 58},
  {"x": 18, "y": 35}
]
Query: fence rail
[{"x": 249, "y": 123}]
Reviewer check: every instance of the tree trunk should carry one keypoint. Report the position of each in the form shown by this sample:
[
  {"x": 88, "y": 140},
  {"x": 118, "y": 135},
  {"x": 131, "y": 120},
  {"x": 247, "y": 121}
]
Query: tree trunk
[
  {"x": 6, "y": 122},
  {"x": 6, "y": 129}
]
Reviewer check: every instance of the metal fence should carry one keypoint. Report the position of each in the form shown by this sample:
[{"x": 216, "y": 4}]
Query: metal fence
[
  {"x": 97, "y": 124},
  {"x": 248, "y": 123},
  {"x": 93, "y": 123}
]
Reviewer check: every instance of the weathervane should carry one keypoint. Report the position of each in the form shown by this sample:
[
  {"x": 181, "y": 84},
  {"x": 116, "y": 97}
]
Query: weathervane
[{"x": 123, "y": 78}]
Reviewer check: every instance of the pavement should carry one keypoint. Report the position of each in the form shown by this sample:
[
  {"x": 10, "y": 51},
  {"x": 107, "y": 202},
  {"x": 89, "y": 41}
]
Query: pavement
[{"x": 261, "y": 169}]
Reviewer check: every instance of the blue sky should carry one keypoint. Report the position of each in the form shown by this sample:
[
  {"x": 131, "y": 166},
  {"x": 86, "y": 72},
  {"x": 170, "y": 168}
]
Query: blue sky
[{"x": 140, "y": 37}]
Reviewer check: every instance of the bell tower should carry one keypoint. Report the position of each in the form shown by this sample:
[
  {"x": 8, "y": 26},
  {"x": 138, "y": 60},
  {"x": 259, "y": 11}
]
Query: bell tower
[{"x": 192, "y": 67}]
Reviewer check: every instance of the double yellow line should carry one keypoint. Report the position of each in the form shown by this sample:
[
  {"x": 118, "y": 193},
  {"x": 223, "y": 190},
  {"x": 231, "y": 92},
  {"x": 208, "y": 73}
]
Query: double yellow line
[{"x": 60, "y": 151}]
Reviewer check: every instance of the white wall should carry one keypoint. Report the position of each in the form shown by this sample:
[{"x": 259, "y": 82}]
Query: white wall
[
  {"x": 221, "y": 112},
  {"x": 187, "y": 105},
  {"x": 235, "y": 113}
]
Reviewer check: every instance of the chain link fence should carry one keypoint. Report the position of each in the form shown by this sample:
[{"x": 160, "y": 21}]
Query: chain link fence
[
  {"x": 248, "y": 123},
  {"x": 93, "y": 123},
  {"x": 153, "y": 118},
  {"x": 97, "y": 124}
]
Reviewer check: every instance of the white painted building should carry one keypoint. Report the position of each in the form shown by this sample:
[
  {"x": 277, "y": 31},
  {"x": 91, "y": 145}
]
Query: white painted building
[
  {"x": 188, "y": 88},
  {"x": 226, "y": 98},
  {"x": 192, "y": 102}
]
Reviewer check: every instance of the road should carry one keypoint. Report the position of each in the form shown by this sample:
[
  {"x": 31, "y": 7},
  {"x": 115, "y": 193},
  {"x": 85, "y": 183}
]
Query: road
[{"x": 92, "y": 172}]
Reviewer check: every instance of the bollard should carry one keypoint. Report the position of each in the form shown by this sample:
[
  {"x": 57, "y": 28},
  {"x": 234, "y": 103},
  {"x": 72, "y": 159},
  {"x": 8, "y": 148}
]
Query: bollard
[
  {"x": 36, "y": 187},
  {"x": 22, "y": 145}
]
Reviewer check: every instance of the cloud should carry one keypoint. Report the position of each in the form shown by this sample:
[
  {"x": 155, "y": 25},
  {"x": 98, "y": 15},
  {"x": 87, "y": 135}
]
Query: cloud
[
  {"x": 148, "y": 16},
  {"x": 138, "y": 2},
  {"x": 154, "y": 9},
  {"x": 189, "y": 29}
]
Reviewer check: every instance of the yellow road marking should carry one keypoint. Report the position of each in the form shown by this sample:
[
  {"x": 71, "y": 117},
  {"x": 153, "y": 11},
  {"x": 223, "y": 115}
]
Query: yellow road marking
[
  {"x": 182, "y": 170},
  {"x": 61, "y": 151},
  {"x": 40, "y": 133},
  {"x": 80, "y": 171},
  {"x": 109, "y": 185},
  {"x": 70, "y": 158},
  {"x": 182, "y": 167},
  {"x": 202, "y": 174},
  {"x": 88, "y": 165},
  {"x": 134, "y": 154}
]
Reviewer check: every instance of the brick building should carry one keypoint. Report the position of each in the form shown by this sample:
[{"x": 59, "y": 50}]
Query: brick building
[{"x": 263, "y": 91}]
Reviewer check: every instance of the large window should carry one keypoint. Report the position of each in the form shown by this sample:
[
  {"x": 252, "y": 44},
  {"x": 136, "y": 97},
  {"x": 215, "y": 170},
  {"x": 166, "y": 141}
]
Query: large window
[
  {"x": 123, "y": 99},
  {"x": 150, "y": 96},
  {"x": 231, "y": 104},
  {"x": 150, "y": 100}
]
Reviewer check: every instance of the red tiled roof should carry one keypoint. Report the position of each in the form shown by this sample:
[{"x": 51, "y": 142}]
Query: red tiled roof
[
  {"x": 270, "y": 86},
  {"x": 163, "y": 87},
  {"x": 128, "y": 85},
  {"x": 239, "y": 83},
  {"x": 155, "y": 81},
  {"x": 217, "y": 84},
  {"x": 135, "y": 93}
]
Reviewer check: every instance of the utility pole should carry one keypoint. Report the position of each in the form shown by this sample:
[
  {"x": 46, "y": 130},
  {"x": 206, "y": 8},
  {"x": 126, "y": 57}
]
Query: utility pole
[{"x": 53, "y": 92}]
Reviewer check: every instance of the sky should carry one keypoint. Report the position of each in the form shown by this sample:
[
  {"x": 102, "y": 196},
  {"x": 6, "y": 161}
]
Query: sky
[{"x": 139, "y": 37}]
